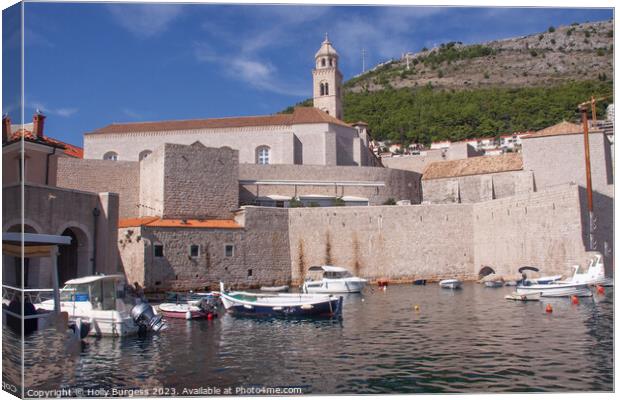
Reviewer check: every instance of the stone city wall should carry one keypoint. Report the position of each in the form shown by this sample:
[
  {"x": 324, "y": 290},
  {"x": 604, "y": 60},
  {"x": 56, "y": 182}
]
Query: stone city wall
[
  {"x": 417, "y": 163},
  {"x": 542, "y": 229},
  {"x": 260, "y": 255},
  {"x": 122, "y": 177},
  {"x": 190, "y": 182},
  {"x": 477, "y": 188},
  {"x": 394, "y": 242},
  {"x": 399, "y": 185}
]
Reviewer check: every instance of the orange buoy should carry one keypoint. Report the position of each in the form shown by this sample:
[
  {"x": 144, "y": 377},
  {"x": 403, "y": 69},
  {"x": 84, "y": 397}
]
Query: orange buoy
[
  {"x": 574, "y": 299},
  {"x": 600, "y": 289},
  {"x": 416, "y": 307},
  {"x": 549, "y": 309}
]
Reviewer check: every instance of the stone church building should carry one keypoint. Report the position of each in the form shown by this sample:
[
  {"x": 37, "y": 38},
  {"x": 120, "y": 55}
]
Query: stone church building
[{"x": 309, "y": 136}]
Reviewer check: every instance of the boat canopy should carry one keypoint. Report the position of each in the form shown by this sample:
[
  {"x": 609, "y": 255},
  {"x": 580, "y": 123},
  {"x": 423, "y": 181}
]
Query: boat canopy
[
  {"x": 327, "y": 268},
  {"x": 94, "y": 278},
  {"x": 528, "y": 269}
]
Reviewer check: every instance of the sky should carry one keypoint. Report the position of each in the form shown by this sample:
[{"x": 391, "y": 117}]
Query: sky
[{"x": 89, "y": 65}]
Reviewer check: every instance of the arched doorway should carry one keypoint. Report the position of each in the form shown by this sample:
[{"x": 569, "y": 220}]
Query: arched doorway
[
  {"x": 485, "y": 271},
  {"x": 73, "y": 259}
]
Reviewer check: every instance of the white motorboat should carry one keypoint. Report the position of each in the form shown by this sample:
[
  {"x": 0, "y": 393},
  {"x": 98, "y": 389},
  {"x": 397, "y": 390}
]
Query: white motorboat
[
  {"x": 576, "y": 286},
  {"x": 107, "y": 303},
  {"x": 283, "y": 288},
  {"x": 334, "y": 280},
  {"x": 450, "y": 284}
]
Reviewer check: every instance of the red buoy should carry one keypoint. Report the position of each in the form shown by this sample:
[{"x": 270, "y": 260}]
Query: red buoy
[
  {"x": 574, "y": 299},
  {"x": 549, "y": 309},
  {"x": 210, "y": 316},
  {"x": 600, "y": 289}
]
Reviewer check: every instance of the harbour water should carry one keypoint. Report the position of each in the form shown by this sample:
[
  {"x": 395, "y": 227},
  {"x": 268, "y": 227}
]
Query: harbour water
[{"x": 465, "y": 341}]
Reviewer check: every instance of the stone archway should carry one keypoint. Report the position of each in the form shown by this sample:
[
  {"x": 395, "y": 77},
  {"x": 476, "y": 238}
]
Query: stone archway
[
  {"x": 484, "y": 271},
  {"x": 73, "y": 259}
]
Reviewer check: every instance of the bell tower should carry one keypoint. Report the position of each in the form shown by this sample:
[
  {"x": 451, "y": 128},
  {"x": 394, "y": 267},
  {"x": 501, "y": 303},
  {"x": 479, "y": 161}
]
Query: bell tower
[{"x": 327, "y": 80}]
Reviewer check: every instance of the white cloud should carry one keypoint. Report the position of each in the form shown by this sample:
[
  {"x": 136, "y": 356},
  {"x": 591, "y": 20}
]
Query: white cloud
[
  {"x": 64, "y": 112},
  {"x": 145, "y": 20}
]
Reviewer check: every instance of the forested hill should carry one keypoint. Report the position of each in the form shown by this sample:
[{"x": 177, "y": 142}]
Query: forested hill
[{"x": 455, "y": 92}]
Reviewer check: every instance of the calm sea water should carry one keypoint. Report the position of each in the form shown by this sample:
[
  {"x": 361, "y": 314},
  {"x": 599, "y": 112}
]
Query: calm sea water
[{"x": 469, "y": 340}]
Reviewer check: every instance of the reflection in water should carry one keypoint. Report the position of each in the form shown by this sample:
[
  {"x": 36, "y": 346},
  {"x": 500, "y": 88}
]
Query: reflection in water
[{"x": 469, "y": 340}]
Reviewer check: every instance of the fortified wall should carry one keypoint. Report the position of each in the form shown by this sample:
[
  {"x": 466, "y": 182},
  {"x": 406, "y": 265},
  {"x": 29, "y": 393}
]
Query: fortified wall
[
  {"x": 436, "y": 241},
  {"x": 373, "y": 183},
  {"x": 122, "y": 177}
]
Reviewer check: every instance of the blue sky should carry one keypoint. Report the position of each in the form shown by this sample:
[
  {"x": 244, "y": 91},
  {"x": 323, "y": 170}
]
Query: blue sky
[{"x": 88, "y": 65}]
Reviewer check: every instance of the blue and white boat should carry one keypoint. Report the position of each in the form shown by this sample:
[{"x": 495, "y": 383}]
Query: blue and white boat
[{"x": 281, "y": 304}]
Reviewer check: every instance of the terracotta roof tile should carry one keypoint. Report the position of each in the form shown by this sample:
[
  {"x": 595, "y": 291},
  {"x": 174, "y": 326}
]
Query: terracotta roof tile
[
  {"x": 179, "y": 223},
  {"x": 69, "y": 149},
  {"x": 473, "y": 166},
  {"x": 300, "y": 115},
  {"x": 563, "y": 128}
]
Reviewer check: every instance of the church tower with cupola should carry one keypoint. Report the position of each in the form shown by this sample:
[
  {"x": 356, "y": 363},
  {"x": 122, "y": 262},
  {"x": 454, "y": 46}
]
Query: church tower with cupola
[{"x": 327, "y": 80}]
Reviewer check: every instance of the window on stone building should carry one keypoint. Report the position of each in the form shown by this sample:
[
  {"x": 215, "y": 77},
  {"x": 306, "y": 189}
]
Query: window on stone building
[
  {"x": 194, "y": 250},
  {"x": 322, "y": 62},
  {"x": 111, "y": 156},
  {"x": 229, "y": 250},
  {"x": 331, "y": 63},
  {"x": 262, "y": 155},
  {"x": 249, "y": 272},
  {"x": 326, "y": 89},
  {"x": 158, "y": 250},
  {"x": 144, "y": 154}
]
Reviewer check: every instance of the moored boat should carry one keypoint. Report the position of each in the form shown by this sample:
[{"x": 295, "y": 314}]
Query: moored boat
[
  {"x": 494, "y": 284},
  {"x": 450, "y": 284},
  {"x": 419, "y": 282},
  {"x": 283, "y": 288},
  {"x": 333, "y": 280},
  {"x": 184, "y": 311},
  {"x": 281, "y": 304},
  {"x": 523, "y": 297},
  {"x": 108, "y": 304}
]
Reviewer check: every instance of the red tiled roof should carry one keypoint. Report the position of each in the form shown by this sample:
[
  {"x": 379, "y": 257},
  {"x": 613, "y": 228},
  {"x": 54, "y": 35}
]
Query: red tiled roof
[
  {"x": 69, "y": 149},
  {"x": 473, "y": 166},
  {"x": 563, "y": 128},
  {"x": 179, "y": 223},
  {"x": 300, "y": 115}
]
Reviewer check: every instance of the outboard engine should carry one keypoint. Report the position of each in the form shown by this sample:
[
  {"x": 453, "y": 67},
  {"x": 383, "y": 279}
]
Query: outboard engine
[
  {"x": 209, "y": 305},
  {"x": 144, "y": 316}
]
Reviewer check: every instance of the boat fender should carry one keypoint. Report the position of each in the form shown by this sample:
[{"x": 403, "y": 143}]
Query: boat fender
[
  {"x": 210, "y": 316},
  {"x": 600, "y": 289},
  {"x": 549, "y": 309},
  {"x": 574, "y": 300},
  {"x": 188, "y": 315},
  {"x": 306, "y": 306}
]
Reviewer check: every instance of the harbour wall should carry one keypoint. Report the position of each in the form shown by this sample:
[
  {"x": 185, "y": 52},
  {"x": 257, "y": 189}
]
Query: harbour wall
[{"x": 436, "y": 241}]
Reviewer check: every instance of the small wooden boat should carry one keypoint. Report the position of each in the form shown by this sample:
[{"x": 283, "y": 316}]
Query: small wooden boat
[
  {"x": 419, "y": 282},
  {"x": 183, "y": 311},
  {"x": 523, "y": 297},
  {"x": 281, "y": 304},
  {"x": 283, "y": 288},
  {"x": 450, "y": 284},
  {"x": 494, "y": 284}
]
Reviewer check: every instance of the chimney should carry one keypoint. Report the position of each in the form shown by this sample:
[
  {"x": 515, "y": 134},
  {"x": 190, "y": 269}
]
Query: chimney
[
  {"x": 6, "y": 128},
  {"x": 37, "y": 124}
]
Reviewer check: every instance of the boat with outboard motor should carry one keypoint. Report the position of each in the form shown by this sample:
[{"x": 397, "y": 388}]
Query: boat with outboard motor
[
  {"x": 333, "y": 280},
  {"x": 578, "y": 285},
  {"x": 281, "y": 304},
  {"x": 108, "y": 304}
]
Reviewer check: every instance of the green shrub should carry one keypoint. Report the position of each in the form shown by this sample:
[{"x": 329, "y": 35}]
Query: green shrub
[
  {"x": 389, "y": 202},
  {"x": 551, "y": 29}
]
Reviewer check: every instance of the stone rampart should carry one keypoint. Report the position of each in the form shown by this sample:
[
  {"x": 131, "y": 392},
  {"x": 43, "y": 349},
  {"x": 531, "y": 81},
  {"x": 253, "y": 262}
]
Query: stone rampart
[
  {"x": 395, "y": 242},
  {"x": 396, "y": 184},
  {"x": 477, "y": 188},
  {"x": 542, "y": 229},
  {"x": 122, "y": 177}
]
